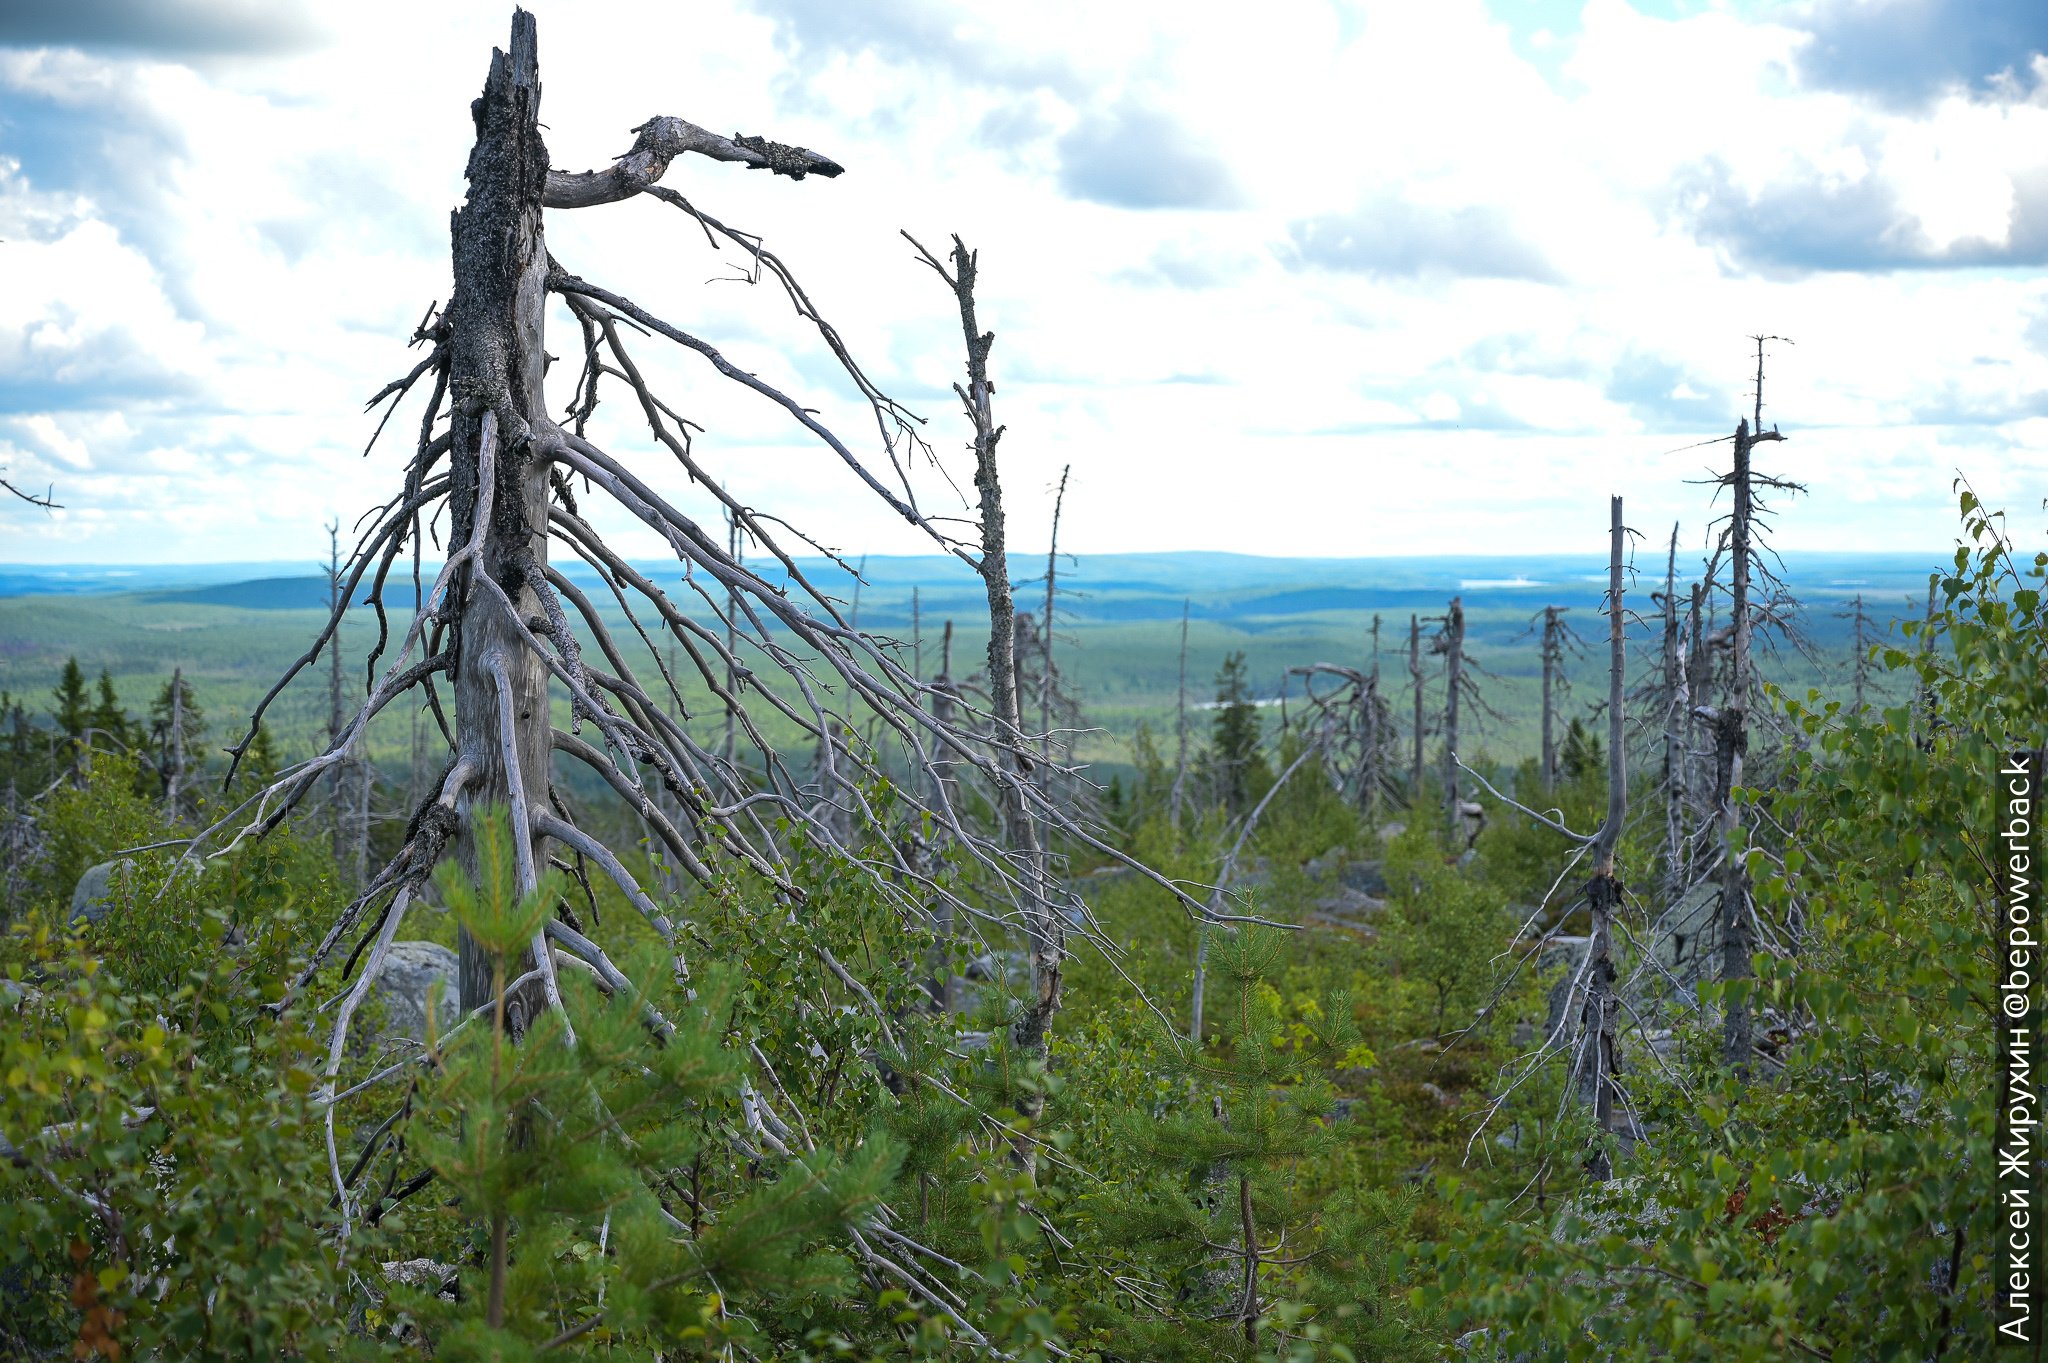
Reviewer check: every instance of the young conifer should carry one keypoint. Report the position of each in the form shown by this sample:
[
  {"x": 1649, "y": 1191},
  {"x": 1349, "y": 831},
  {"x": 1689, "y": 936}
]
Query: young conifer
[
  {"x": 614, "y": 1209},
  {"x": 1235, "y": 1254}
]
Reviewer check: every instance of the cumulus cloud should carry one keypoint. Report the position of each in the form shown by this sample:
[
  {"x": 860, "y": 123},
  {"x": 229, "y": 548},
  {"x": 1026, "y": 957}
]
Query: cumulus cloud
[
  {"x": 1909, "y": 52},
  {"x": 1667, "y": 395},
  {"x": 1818, "y": 222},
  {"x": 1372, "y": 251},
  {"x": 172, "y": 29},
  {"x": 1398, "y": 238},
  {"x": 918, "y": 32},
  {"x": 1136, "y": 156}
]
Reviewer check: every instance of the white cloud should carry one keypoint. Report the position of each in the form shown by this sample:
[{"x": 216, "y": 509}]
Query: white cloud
[{"x": 1531, "y": 283}]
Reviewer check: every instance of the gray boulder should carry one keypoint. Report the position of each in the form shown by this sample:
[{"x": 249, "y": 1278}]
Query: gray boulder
[
  {"x": 102, "y": 889},
  {"x": 1559, "y": 962},
  {"x": 409, "y": 970},
  {"x": 1687, "y": 937},
  {"x": 1348, "y": 907},
  {"x": 1366, "y": 877}
]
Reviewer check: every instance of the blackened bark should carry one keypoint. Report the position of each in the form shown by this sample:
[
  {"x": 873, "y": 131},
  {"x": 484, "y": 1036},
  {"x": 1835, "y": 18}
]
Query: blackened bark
[
  {"x": 1553, "y": 656},
  {"x": 1415, "y": 677},
  {"x": 1596, "y": 1064},
  {"x": 496, "y": 364},
  {"x": 1731, "y": 750},
  {"x": 1454, "y": 685}
]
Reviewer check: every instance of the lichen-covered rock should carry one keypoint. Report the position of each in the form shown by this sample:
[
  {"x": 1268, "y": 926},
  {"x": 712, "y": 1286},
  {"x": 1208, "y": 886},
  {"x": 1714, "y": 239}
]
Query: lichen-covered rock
[
  {"x": 1687, "y": 937},
  {"x": 1559, "y": 962},
  {"x": 101, "y": 889},
  {"x": 409, "y": 970}
]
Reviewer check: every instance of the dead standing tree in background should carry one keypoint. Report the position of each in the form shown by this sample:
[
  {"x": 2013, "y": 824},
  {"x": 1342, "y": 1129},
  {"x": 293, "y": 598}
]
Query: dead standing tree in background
[
  {"x": 1861, "y": 641},
  {"x": 1461, "y": 687},
  {"x": 1450, "y": 641},
  {"x": 1044, "y": 929},
  {"x": 1377, "y": 730},
  {"x": 1553, "y": 666},
  {"x": 1731, "y": 730},
  {"x": 1594, "y": 1078},
  {"x": 1350, "y": 726},
  {"x": 1756, "y": 598},
  {"x": 349, "y": 796},
  {"x": 1178, "y": 797},
  {"x": 1418, "y": 726},
  {"x": 1673, "y": 705}
]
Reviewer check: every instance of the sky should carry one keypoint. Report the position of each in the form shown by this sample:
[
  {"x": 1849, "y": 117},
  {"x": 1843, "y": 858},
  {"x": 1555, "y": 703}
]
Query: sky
[{"x": 1339, "y": 278}]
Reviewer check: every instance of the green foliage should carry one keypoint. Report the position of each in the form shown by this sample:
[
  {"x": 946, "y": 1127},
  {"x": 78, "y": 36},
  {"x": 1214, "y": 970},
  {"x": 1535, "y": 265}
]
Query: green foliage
[
  {"x": 1843, "y": 1203},
  {"x": 1581, "y": 756},
  {"x": 556, "y": 1146},
  {"x": 108, "y": 719},
  {"x": 1443, "y": 930},
  {"x": 74, "y": 709},
  {"x": 1221, "y": 1243},
  {"x": 164, "y": 1203},
  {"x": 177, "y": 701},
  {"x": 87, "y": 822}
]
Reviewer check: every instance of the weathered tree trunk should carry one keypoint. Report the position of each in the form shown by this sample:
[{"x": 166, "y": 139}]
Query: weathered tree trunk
[
  {"x": 728, "y": 750},
  {"x": 499, "y": 494},
  {"x": 942, "y": 794},
  {"x": 1045, "y": 670},
  {"x": 1860, "y": 679},
  {"x": 1180, "y": 728},
  {"x": 341, "y": 799},
  {"x": 1553, "y": 658},
  {"x": 1369, "y": 767},
  {"x": 1045, "y": 939},
  {"x": 1415, "y": 677},
  {"x": 1595, "y": 1069},
  {"x": 1454, "y": 685},
  {"x": 1731, "y": 750},
  {"x": 1677, "y": 723}
]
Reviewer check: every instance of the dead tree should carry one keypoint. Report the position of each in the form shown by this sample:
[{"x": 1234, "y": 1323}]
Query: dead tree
[
  {"x": 1180, "y": 727},
  {"x": 1461, "y": 687},
  {"x": 1349, "y": 727},
  {"x": 1374, "y": 772},
  {"x": 1861, "y": 641},
  {"x": 1553, "y": 667},
  {"x": 1595, "y": 1065},
  {"x": 503, "y": 630},
  {"x": 1593, "y": 1079},
  {"x": 1417, "y": 724},
  {"x": 1675, "y": 713},
  {"x": 1450, "y": 642},
  {"x": 1226, "y": 876},
  {"x": 942, "y": 792},
  {"x": 1044, "y": 930},
  {"x": 1731, "y": 729},
  {"x": 46, "y": 499},
  {"x": 1047, "y": 675},
  {"x": 348, "y": 797}
]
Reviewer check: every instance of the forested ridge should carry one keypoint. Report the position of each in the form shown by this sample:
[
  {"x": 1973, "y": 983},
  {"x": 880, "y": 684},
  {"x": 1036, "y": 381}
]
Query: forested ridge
[{"x": 721, "y": 974}]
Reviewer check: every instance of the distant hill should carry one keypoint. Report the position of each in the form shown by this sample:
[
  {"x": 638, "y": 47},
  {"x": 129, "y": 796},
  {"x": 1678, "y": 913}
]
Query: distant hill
[
  {"x": 1101, "y": 588},
  {"x": 263, "y": 593},
  {"x": 233, "y": 627}
]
